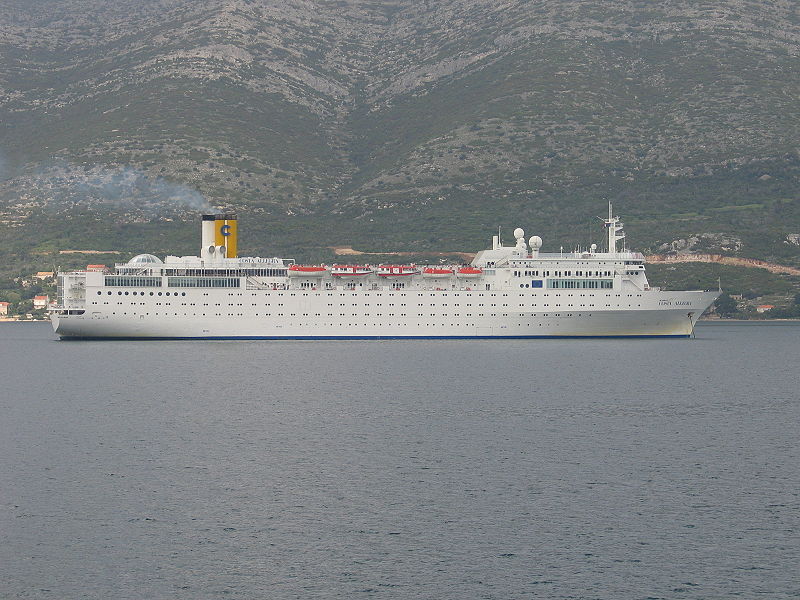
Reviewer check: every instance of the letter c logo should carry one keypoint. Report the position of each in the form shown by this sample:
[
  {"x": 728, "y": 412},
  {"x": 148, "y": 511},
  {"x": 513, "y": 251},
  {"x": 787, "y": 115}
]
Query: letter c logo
[{"x": 225, "y": 230}]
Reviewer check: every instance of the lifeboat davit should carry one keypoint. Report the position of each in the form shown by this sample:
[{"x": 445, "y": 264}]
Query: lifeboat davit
[
  {"x": 350, "y": 270},
  {"x": 306, "y": 271},
  {"x": 396, "y": 270},
  {"x": 469, "y": 272},
  {"x": 437, "y": 272}
]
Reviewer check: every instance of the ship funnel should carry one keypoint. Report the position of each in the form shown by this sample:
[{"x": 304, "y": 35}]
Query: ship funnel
[{"x": 218, "y": 236}]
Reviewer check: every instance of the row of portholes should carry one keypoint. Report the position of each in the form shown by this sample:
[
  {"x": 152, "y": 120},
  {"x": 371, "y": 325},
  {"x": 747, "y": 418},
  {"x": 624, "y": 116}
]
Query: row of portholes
[{"x": 142, "y": 293}]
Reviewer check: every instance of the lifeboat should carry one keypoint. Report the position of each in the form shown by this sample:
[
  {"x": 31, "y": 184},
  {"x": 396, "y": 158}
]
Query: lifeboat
[
  {"x": 469, "y": 272},
  {"x": 396, "y": 270},
  {"x": 306, "y": 271},
  {"x": 350, "y": 270},
  {"x": 437, "y": 272}
]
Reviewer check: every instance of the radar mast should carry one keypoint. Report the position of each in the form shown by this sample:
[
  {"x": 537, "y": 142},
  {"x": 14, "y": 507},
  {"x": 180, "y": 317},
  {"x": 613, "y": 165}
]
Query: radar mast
[{"x": 614, "y": 230}]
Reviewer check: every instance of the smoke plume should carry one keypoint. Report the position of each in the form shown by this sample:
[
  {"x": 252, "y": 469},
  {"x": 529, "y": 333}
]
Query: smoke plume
[{"x": 65, "y": 185}]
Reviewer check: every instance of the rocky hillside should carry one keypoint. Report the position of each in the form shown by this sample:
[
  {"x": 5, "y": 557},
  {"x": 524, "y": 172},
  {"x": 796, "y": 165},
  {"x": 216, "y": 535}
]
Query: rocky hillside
[{"x": 399, "y": 124}]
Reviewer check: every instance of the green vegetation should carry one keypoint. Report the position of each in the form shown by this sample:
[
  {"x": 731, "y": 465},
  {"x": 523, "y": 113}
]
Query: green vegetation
[
  {"x": 19, "y": 293},
  {"x": 725, "y": 306}
]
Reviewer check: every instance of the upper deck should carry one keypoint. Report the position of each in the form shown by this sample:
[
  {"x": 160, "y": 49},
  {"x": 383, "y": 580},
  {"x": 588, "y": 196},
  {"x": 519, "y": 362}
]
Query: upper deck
[{"x": 521, "y": 266}]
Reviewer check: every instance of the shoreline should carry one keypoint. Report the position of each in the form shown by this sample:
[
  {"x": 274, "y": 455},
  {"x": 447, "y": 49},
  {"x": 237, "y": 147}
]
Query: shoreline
[
  {"x": 748, "y": 320},
  {"x": 12, "y": 320}
]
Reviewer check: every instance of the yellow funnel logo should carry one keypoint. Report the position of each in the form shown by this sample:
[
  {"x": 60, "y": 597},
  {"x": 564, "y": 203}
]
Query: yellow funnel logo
[{"x": 226, "y": 236}]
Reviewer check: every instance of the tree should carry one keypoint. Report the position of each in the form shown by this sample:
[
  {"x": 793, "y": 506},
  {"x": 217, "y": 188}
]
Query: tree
[
  {"x": 725, "y": 306},
  {"x": 10, "y": 296}
]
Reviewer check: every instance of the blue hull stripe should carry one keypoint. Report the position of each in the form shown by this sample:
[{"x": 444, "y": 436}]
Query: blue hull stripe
[{"x": 378, "y": 337}]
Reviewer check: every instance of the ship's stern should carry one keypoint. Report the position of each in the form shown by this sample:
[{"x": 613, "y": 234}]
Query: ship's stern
[{"x": 70, "y": 303}]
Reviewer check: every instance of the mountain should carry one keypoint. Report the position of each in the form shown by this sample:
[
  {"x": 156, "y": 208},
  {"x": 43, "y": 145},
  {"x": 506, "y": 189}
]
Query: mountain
[{"x": 399, "y": 125}]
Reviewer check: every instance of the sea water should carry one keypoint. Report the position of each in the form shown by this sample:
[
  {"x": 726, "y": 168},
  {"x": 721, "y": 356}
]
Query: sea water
[{"x": 452, "y": 469}]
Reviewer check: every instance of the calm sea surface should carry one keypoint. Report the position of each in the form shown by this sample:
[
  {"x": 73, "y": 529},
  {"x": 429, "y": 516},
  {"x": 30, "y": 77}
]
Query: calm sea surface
[{"x": 504, "y": 469}]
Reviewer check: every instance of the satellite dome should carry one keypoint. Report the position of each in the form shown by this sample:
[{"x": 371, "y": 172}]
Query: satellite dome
[
  {"x": 144, "y": 259},
  {"x": 535, "y": 242},
  {"x": 518, "y": 233}
]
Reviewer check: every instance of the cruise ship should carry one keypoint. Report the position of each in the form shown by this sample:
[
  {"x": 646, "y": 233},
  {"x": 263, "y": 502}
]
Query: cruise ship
[{"x": 506, "y": 292}]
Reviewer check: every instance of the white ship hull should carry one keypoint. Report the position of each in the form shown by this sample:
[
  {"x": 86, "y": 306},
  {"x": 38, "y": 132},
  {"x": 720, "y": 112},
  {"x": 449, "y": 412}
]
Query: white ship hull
[{"x": 320, "y": 316}]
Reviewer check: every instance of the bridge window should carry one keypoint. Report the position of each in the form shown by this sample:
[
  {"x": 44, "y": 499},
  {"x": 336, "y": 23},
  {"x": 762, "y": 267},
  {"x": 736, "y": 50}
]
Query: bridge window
[{"x": 571, "y": 284}]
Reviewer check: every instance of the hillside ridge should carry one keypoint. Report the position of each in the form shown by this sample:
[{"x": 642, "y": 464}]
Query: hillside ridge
[{"x": 421, "y": 124}]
